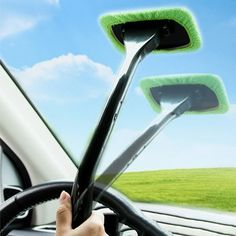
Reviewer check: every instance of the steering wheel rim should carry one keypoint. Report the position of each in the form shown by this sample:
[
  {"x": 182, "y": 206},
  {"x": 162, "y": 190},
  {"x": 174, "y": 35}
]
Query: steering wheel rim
[{"x": 39, "y": 194}]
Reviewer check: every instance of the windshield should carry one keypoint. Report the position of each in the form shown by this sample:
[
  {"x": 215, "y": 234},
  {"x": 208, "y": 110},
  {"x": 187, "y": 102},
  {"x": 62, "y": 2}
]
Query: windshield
[{"x": 62, "y": 58}]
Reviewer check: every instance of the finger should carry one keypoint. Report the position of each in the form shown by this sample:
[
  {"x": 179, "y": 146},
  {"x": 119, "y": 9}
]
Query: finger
[
  {"x": 64, "y": 216},
  {"x": 93, "y": 226}
]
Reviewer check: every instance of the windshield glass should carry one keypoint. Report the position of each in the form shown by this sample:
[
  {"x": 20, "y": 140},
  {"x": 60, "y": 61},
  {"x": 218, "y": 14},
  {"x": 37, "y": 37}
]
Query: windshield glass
[{"x": 62, "y": 58}]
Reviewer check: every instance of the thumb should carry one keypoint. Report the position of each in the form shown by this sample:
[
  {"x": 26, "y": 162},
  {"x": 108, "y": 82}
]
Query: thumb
[{"x": 64, "y": 216}]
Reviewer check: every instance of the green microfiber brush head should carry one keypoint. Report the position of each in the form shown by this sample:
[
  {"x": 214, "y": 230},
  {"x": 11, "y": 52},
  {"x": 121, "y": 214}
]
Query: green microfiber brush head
[
  {"x": 180, "y": 22},
  {"x": 209, "y": 81}
]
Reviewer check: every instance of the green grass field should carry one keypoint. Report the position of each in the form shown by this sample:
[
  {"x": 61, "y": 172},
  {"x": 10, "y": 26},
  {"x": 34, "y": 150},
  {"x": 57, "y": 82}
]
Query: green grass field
[{"x": 206, "y": 188}]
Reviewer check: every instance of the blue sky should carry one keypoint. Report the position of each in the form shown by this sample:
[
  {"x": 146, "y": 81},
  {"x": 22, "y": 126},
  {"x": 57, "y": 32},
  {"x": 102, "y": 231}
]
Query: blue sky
[{"x": 62, "y": 58}]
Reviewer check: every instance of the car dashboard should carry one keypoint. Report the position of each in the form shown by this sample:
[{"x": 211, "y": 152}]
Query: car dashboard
[{"x": 177, "y": 220}]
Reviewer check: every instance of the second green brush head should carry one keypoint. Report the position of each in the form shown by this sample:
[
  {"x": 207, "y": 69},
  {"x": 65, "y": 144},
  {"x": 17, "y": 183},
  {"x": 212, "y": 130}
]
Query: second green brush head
[
  {"x": 176, "y": 27},
  {"x": 207, "y": 92}
]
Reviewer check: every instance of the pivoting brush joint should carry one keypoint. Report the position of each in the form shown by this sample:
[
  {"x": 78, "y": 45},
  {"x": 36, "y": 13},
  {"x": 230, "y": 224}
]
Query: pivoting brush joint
[{"x": 149, "y": 38}]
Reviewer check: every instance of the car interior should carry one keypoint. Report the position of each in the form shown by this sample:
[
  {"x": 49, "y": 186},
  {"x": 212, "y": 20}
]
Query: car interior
[{"x": 164, "y": 192}]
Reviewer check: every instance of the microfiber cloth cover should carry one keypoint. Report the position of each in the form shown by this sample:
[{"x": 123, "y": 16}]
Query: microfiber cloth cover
[
  {"x": 180, "y": 15},
  {"x": 211, "y": 81}
]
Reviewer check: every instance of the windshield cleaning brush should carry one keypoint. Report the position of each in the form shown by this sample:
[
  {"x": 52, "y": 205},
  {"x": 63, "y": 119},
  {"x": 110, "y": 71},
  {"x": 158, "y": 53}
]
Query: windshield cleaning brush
[
  {"x": 177, "y": 28},
  {"x": 138, "y": 34},
  {"x": 173, "y": 96},
  {"x": 172, "y": 89}
]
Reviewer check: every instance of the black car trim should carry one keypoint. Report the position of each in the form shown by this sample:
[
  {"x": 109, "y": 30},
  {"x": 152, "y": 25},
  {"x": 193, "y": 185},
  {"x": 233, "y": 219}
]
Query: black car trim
[{"x": 17, "y": 163}]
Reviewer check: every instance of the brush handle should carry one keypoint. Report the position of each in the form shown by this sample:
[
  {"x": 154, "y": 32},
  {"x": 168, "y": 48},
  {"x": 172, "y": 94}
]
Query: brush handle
[
  {"x": 138, "y": 44},
  {"x": 124, "y": 160}
]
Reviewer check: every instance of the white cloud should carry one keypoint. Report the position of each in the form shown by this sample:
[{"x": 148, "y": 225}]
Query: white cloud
[
  {"x": 11, "y": 25},
  {"x": 53, "y": 69},
  {"x": 16, "y": 18},
  {"x": 67, "y": 78}
]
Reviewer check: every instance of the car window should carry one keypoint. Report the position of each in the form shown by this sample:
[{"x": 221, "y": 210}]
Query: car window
[{"x": 67, "y": 66}]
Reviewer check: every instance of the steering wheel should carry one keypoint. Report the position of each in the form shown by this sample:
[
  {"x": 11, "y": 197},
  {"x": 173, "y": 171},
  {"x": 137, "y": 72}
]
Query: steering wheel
[{"x": 112, "y": 199}]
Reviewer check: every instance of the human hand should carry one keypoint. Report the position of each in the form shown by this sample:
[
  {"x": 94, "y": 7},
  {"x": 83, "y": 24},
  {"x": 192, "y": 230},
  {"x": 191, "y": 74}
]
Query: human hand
[{"x": 93, "y": 226}]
